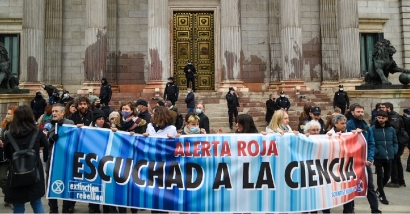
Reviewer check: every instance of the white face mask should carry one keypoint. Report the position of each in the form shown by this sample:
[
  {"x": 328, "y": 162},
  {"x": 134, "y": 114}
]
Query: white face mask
[
  {"x": 282, "y": 95},
  {"x": 341, "y": 89}
]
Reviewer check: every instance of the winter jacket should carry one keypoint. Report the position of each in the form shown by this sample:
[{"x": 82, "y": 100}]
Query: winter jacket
[
  {"x": 189, "y": 75},
  {"x": 204, "y": 122},
  {"x": 386, "y": 144},
  {"x": 34, "y": 191},
  {"x": 85, "y": 119},
  {"x": 232, "y": 100},
  {"x": 283, "y": 102},
  {"x": 395, "y": 121},
  {"x": 38, "y": 105},
  {"x": 105, "y": 90},
  {"x": 271, "y": 107},
  {"x": 341, "y": 99},
  {"x": 51, "y": 90},
  {"x": 171, "y": 90},
  {"x": 190, "y": 100},
  {"x": 64, "y": 101},
  {"x": 367, "y": 134}
]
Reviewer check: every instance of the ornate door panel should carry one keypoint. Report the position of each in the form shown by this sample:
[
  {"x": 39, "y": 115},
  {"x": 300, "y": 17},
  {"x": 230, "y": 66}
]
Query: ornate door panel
[{"x": 194, "y": 39}]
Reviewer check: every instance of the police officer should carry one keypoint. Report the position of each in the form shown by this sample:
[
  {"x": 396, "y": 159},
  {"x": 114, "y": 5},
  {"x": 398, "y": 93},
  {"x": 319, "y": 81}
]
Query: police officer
[
  {"x": 314, "y": 114},
  {"x": 283, "y": 102},
  {"x": 105, "y": 92},
  {"x": 233, "y": 105},
  {"x": 341, "y": 99},
  {"x": 190, "y": 71},
  {"x": 171, "y": 91}
]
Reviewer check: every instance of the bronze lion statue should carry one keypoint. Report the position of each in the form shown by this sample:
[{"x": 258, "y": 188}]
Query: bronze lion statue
[
  {"x": 7, "y": 80},
  {"x": 383, "y": 64}
]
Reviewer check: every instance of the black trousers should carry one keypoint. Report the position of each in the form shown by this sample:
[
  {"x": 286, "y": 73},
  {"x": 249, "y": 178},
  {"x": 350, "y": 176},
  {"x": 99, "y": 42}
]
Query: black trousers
[
  {"x": 383, "y": 168},
  {"x": 192, "y": 80},
  {"x": 342, "y": 107},
  {"x": 397, "y": 168},
  {"x": 53, "y": 203},
  {"x": 105, "y": 101},
  {"x": 371, "y": 195},
  {"x": 231, "y": 113},
  {"x": 172, "y": 99}
]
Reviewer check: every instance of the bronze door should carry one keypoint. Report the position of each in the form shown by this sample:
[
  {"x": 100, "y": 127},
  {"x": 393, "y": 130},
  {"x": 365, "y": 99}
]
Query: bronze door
[{"x": 194, "y": 40}]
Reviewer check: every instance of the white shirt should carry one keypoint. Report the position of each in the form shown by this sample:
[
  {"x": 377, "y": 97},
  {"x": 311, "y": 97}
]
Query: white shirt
[
  {"x": 268, "y": 130},
  {"x": 162, "y": 132}
]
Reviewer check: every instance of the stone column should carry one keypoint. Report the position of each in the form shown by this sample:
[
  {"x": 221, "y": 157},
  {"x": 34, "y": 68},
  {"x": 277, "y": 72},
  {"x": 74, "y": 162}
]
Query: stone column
[
  {"x": 275, "y": 46},
  {"x": 53, "y": 42},
  {"x": 349, "y": 42},
  {"x": 112, "y": 44},
  {"x": 330, "y": 44},
  {"x": 32, "y": 44},
  {"x": 95, "y": 61},
  {"x": 291, "y": 40},
  {"x": 405, "y": 24},
  {"x": 158, "y": 45},
  {"x": 231, "y": 45}
]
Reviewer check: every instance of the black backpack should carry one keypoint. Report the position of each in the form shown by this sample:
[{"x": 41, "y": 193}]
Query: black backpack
[
  {"x": 24, "y": 168},
  {"x": 179, "y": 121}
]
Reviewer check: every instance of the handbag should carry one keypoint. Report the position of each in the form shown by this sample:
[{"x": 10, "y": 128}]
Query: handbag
[{"x": 403, "y": 137}]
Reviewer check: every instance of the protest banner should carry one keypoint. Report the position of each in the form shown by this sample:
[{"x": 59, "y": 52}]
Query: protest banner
[{"x": 208, "y": 173}]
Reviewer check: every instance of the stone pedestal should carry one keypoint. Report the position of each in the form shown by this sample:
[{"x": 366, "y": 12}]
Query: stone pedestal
[
  {"x": 90, "y": 88},
  {"x": 236, "y": 84},
  {"x": 293, "y": 86},
  {"x": 274, "y": 85},
  {"x": 156, "y": 88}
]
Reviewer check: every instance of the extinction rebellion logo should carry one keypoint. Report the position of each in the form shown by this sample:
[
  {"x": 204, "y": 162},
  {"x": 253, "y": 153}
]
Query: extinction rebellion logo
[{"x": 57, "y": 187}]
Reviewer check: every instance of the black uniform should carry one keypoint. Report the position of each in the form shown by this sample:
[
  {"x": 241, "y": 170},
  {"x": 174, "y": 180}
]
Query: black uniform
[
  {"x": 171, "y": 92},
  {"x": 190, "y": 75},
  {"x": 301, "y": 126},
  {"x": 271, "y": 107},
  {"x": 283, "y": 102},
  {"x": 38, "y": 105},
  {"x": 341, "y": 100},
  {"x": 105, "y": 92},
  {"x": 233, "y": 104}
]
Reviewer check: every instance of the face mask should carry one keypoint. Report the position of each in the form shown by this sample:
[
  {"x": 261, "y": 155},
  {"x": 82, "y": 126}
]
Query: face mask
[
  {"x": 341, "y": 89},
  {"x": 126, "y": 113},
  {"x": 65, "y": 95},
  {"x": 198, "y": 111},
  {"x": 194, "y": 129},
  {"x": 138, "y": 111},
  {"x": 408, "y": 116},
  {"x": 189, "y": 91},
  {"x": 98, "y": 105},
  {"x": 282, "y": 95},
  {"x": 9, "y": 118}
]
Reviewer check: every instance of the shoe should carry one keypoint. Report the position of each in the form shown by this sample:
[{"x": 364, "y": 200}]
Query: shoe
[
  {"x": 402, "y": 185},
  {"x": 392, "y": 185},
  {"x": 383, "y": 200},
  {"x": 377, "y": 192},
  {"x": 408, "y": 169},
  {"x": 53, "y": 211}
]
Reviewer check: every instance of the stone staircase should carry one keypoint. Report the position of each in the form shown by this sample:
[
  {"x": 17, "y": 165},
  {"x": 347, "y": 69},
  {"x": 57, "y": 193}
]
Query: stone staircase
[{"x": 252, "y": 103}]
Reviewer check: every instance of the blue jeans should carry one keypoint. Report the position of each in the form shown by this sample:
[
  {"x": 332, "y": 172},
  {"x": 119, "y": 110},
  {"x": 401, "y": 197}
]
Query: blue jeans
[
  {"x": 190, "y": 110},
  {"x": 35, "y": 204}
]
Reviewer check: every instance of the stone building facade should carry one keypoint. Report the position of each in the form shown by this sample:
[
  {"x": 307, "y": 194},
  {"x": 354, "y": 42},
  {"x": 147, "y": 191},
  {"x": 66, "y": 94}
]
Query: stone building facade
[{"x": 257, "y": 45}]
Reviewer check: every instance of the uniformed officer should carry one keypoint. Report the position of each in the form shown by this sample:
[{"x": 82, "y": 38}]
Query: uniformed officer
[
  {"x": 341, "y": 99},
  {"x": 190, "y": 73},
  {"x": 283, "y": 102},
  {"x": 233, "y": 106},
  {"x": 314, "y": 114},
  {"x": 171, "y": 91}
]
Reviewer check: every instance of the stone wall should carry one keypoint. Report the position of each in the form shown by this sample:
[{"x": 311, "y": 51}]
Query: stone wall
[
  {"x": 255, "y": 41},
  {"x": 11, "y": 9},
  {"x": 392, "y": 28}
]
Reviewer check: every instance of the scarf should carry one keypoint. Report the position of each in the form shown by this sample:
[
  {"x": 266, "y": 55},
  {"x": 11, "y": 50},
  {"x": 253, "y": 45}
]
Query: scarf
[
  {"x": 157, "y": 128},
  {"x": 187, "y": 131},
  {"x": 285, "y": 128},
  {"x": 127, "y": 124},
  {"x": 359, "y": 123}
]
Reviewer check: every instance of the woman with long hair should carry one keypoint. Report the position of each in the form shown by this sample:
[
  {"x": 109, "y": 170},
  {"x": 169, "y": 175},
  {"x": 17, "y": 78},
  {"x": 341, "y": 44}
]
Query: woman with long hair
[
  {"x": 279, "y": 123},
  {"x": 128, "y": 120},
  {"x": 306, "y": 109},
  {"x": 161, "y": 123},
  {"x": 245, "y": 124},
  {"x": 22, "y": 130},
  {"x": 47, "y": 117},
  {"x": 69, "y": 109},
  {"x": 4, "y": 163}
]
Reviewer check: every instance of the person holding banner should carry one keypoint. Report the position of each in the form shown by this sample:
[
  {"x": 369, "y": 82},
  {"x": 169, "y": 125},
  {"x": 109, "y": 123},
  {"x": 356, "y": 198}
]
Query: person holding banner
[
  {"x": 22, "y": 130},
  {"x": 279, "y": 123},
  {"x": 358, "y": 125},
  {"x": 129, "y": 121},
  {"x": 245, "y": 124},
  {"x": 192, "y": 125},
  {"x": 161, "y": 124},
  {"x": 339, "y": 124}
]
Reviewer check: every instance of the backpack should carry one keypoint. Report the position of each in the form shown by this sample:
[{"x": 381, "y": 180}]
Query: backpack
[
  {"x": 24, "y": 169},
  {"x": 179, "y": 121}
]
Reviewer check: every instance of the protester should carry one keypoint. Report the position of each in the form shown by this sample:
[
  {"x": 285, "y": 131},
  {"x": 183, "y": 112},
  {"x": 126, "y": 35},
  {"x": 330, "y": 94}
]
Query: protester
[
  {"x": 283, "y": 102},
  {"x": 105, "y": 92},
  {"x": 338, "y": 123},
  {"x": 192, "y": 125},
  {"x": 204, "y": 120},
  {"x": 357, "y": 124},
  {"x": 386, "y": 147},
  {"x": 171, "y": 91},
  {"x": 233, "y": 106},
  {"x": 341, "y": 99},
  {"x": 4, "y": 162},
  {"x": 314, "y": 114},
  {"x": 70, "y": 109},
  {"x": 82, "y": 115},
  {"x": 161, "y": 123},
  {"x": 46, "y": 117},
  {"x": 349, "y": 114},
  {"x": 374, "y": 113},
  {"x": 22, "y": 130},
  {"x": 112, "y": 117},
  {"x": 190, "y": 100},
  {"x": 160, "y": 103},
  {"x": 305, "y": 115},
  {"x": 279, "y": 123},
  {"x": 129, "y": 121},
  {"x": 95, "y": 103},
  {"x": 245, "y": 124},
  {"x": 270, "y": 108},
  {"x": 142, "y": 109},
  {"x": 329, "y": 124},
  {"x": 38, "y": 105},
  {"x": 66, "y": 98},
  {"x": 53, "y": 93}
]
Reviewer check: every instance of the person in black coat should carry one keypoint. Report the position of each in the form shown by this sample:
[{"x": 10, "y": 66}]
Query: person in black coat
[
  {"x": 83, "y": 115},
  {"x": 22, "y": 130},
  {"x": 341, "y": 99},
  {"x": 271, "y": 107},
  {"x": 171, "y": 91},
  {"x": 190, "y": 73},
  {"x": 190, "y": 100},
  {"x": 203, "y": 119},
  {"x": 53, "y": 93},
  {"x": 66, "y": 98},
  {"x": 105, "y": 92},
  {"x": 314, "y": 114},
  {"x": 38, "y": 105},
  {"x": 233, "y": 105},
  {"x": 283, "y": 102}
]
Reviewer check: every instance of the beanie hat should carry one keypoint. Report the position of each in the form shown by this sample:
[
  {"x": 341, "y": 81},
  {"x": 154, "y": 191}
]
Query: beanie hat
[
  {"x": 93, "y": 99},
  {"x": 113, "y": 114},
  {"x": 98, "y": 113}
]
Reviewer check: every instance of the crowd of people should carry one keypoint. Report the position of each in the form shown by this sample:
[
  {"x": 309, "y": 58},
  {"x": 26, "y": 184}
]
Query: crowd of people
[{"x": 386, "y": 137}]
